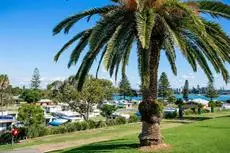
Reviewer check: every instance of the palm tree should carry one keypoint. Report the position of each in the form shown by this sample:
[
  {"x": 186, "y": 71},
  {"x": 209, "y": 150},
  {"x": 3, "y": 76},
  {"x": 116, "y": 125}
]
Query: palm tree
[{"x": 155, "y": 26}]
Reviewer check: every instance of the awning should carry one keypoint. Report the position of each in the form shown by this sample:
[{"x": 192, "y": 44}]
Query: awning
[{"x": 58, "y": 122}]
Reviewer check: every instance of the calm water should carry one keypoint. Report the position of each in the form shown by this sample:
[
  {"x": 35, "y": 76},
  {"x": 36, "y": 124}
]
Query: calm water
[{"x": 191, "y": 96}]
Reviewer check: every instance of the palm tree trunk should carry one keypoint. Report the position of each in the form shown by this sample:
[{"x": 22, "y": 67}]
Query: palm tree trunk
[{"x": 150, "y": 108}]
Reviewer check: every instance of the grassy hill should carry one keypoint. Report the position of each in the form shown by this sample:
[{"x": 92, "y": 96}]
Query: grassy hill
[{"x": 209, "y": 136}]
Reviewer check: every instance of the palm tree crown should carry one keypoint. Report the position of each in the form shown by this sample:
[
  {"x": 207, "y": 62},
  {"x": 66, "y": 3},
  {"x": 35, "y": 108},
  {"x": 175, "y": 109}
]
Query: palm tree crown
[{"x": 167, "y": 24}]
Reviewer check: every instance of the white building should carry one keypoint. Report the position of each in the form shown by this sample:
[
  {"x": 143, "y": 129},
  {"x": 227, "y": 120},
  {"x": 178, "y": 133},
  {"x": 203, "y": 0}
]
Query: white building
[
  {"x": 52, "y": 108},
  {"x": 226, "y": 106},
  {"x": 201, "y": 101}
]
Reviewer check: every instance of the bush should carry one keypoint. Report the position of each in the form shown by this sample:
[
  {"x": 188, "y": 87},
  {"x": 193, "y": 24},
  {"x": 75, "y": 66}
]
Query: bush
[
  {"x": 84, "y": 125},
  {"x": 133, "y": 119},
  {"x": 92, "y": 124},
  {"x": 5, "y": 138},
  {"x": 70, "y": 127},
  {"x": 77, "y": 126},
  {"x": 205, "y": 111},
  {"x": 188, "y": 112},
  {"x": 101, "y": 124},
  {"x": 111, "y": 122},
  {"x": 36, "y": 131},
  {"x": 120, "y": 120},
  {"x": 170, "y": 115}
]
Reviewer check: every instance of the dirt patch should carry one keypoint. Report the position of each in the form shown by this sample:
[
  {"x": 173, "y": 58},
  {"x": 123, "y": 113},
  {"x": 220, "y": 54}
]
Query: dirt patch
[{"x": 154, "y": 148}]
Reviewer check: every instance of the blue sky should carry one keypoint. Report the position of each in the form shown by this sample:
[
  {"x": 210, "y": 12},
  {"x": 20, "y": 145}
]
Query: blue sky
[{"x": 26, "y": 42}]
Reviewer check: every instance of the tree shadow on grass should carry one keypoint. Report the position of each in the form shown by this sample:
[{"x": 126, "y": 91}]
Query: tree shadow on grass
[{"x": 103, "y": 147}]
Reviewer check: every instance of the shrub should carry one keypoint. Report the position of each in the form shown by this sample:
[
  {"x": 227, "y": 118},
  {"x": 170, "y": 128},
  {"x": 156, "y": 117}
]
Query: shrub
[
  {"x": 212, "y": 105},
  {"x": 92, "y": 124},
  {"x": 101, "y": 124},
  {"x": 133, "y": 119},
  {"x": 84, "y": 125},
  {"x": 120, "y": 120},
  {"x": 218, "y": 103},
  {"x": 205, "y": 111},
  {"x": 111, "y": 122},
  {"x": 170, "y": 115},
  {"x": 188, "y": 112},
  {"x": 77, "y": 126},
  {"x": 5, "y": 138},
  {"x": 36, "y": 131},
  {"x": 70, "y": 127}
]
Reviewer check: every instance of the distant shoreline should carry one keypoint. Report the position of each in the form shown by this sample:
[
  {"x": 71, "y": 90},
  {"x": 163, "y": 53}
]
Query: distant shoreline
[{"x": 191, "y": 97}]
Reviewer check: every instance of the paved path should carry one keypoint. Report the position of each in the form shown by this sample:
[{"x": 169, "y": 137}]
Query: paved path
[{"x": 23, "y": 151}]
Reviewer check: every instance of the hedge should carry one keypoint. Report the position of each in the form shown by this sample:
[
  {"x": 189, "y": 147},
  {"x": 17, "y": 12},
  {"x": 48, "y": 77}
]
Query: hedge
[{"x": 38, "y": 131}]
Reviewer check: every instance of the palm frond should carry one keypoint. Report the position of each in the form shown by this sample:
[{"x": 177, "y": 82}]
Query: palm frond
[
  {"x": 70, "y": 21},
  {"x": 145, "y": 21},
  {"x": 69, "y": 43},
  {"x": 79, "y": 48},
  {"x": 214, "y": 8},
  {"x": 143, "y": 64}
]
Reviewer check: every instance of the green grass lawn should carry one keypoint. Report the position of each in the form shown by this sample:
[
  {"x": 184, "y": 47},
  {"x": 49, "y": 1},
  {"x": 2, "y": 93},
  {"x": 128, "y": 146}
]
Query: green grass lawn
[
  {"x": 211, "y": 115},
  {"x": 85, "y": 137},
  {"x": 209, "y": 136}
]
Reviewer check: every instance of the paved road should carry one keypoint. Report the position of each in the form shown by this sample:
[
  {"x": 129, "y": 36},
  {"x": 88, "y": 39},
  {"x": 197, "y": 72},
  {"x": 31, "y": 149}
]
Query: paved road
[{"x": 23, "y": 151}]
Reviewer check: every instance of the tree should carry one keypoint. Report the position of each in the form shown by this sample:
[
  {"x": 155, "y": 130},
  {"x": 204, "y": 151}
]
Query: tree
[
  {"x": 35, "y": 82},
  {"x": 4, "y": 84},
  {"x": 212, "y": 105},
  {"x": 31, "y": 95},
  {"x": 108, "y": 110},
  {"x": 93, "y": 92},
  {"x": 200, "y": 106},
  {"x": 155, "y": 26},
  {"x": 211, "y": 91},
  {"x": 186, "y": 90},
  {"x": 172, "y": 99},
  {"x": 17, "y": 91},
  {"x": 124, "y": 86},
  {"x": 164, "y": 90},
  {"x": 180, "y": 104},
  {"x": 32, "y": 116}
]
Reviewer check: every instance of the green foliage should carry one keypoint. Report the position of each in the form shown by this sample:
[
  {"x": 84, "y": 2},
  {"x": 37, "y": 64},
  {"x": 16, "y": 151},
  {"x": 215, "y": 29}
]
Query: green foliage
[
  {"x": 111, "y": 122},
  {"x": 180, "y": 104},
  {"x": 133, "y": 119},
  {"x": 84, "y": 125},
  {"x": 120, "y": 120},
  {"x": 172, "y": 99},
  {"x": 30, "y": 115},
  {"x": 211, "y": 91},
  {"x": 5, "y": 138},
  {"x": 35, "y": 82},
  {"x": 212, "y": 105},
  {"x": 170, "y": 115},
  {"x": 198, "y": 40},
  {"x": 101, "y": 124},
  {"x": 31, "y": 95},
  {"x": 218, "y": 103},
  {"x": 145, "y": 21},
  {"x": 5, "y": 93},
  {"x": 107, "y": 110},
  {"x": 34, "y": 131},
  {"x": 92, "y": 124},
  {"x": 164, "y": 90},
  {"x": 186, "y": 90},
  {"x": 94, "y": 91},
  {"x": 124, "y": 86},
  {"x": 4, "y": 82},
  {"x": 215, "y": 8}
]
